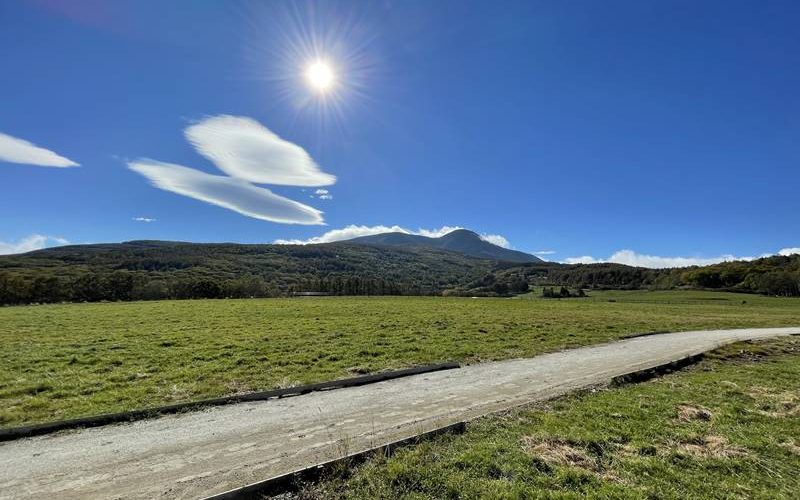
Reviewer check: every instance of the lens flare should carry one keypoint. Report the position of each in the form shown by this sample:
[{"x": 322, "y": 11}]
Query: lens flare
[
  {"x": 319, "y": 61},
  {"x": 320, "y": 76}
]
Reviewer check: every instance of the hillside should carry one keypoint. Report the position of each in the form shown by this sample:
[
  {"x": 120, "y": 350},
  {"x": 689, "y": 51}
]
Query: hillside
[
  {"x": 462, "y": 241},
  {"x": 776, "y": 275},
  {"x": 162, "y": 269},
  {"x": 148, "y": 270}
]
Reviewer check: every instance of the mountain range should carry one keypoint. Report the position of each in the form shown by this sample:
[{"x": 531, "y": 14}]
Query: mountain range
[{"x": 458, "y": 263}]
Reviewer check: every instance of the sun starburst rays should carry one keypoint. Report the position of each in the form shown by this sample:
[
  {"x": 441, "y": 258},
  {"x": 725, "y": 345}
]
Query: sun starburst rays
[{"x": 316, "y": 61}]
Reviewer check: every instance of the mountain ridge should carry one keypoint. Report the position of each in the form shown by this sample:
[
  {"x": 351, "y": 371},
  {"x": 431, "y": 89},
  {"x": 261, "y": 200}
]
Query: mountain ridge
[
  {"x": 157, "y": 270},
  {"x": 461, "y": 241}
]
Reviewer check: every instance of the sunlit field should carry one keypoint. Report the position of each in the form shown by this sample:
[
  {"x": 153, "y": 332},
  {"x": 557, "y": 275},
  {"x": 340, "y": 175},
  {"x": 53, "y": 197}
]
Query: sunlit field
[{"x": 64, "y": 361}]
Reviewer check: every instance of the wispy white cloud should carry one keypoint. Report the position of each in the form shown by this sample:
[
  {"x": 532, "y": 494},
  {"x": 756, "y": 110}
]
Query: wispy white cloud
[
  {"x": 322, "y": 194},
  {"x": 355, "y": 231},
  {"x": 243, "y": 148},
  {"x": 233, "y": 194},
  {"x": 789, "y": 251},
  {"x": 496, "y": 239},
  {"x": 544, "y": 252},
  {"x": 15, "y": 150},
  {"x": 583, "y": 259},
  {"x": 345, "y": 233},
  {"x": 431, "y": 233},
  {"x": 144, "y": 219},
  {"x": 30, "y": 243},
  {"x": 631, "y": 258}
]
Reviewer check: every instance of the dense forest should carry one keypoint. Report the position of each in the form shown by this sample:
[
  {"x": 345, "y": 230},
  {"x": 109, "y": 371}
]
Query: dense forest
[
  {"x": 776, "y": 275},
  {"x": 149, "y": 270}
]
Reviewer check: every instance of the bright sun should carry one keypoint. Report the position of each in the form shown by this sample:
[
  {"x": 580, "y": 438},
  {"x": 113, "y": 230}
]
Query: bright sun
[{"x": 319, "y": 76}]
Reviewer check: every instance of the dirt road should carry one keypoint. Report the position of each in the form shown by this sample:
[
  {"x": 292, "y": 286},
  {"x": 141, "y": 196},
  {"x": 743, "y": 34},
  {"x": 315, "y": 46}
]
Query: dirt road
[{"x": 197, "y": 454}]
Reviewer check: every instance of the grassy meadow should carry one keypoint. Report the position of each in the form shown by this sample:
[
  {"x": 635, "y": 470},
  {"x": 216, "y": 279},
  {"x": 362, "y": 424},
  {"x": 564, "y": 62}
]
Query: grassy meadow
[
  {"x": 69, "y": 360},
  {"x": 726, "y": 428}
]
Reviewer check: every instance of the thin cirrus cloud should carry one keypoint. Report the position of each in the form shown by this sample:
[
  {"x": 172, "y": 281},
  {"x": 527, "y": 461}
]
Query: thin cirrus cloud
[
  {"x": 227, "y": 192},
  {"x": 16, "y": 150},
  {"x": 355, "y": 231},
  {"x": 631, "y": 258},
  {"x": 144, "y": 219},
  {"x": 30, "y": 243},
  {"x": 243, "y": 148}
]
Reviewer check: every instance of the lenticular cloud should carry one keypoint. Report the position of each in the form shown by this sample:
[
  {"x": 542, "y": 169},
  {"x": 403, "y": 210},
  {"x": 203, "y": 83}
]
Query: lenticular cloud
[
  {"x": 16, "y": 150},
  {"x": 250, "y": 154},
  {"x": 243, "y": 148},
  {"x": 227, "y": 192}
]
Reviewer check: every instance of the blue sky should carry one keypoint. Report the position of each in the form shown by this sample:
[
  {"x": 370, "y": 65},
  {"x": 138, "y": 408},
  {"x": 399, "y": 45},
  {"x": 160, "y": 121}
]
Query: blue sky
[{"x": 669, "y": 129}]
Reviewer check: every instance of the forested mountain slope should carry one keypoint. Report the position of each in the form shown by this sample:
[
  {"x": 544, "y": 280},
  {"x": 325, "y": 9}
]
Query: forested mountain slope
[
  {"x": 461, "y": 240},
  {"x": 161, "y": 269},
  {"x": 146, "y": 270}
]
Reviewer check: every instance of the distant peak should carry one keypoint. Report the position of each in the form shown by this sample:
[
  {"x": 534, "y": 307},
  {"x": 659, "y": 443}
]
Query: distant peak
[
  {"x": 462, "y": 232},
  {"x": 462, "y": 241}
]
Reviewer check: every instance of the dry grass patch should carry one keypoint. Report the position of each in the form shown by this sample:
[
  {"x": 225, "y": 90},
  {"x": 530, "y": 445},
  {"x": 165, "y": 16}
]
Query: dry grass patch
[
  {"x": 707, "y": 446},
  {"x": 711, "y": 446},
  {"x": 176, "y": 393},
  {"x": 286, "y": 383},
  {"x": 792, "y": 447},
  {"x": 776, "y": 404},
  {"x": 559, "y": 452},
  {"x": 237, "y": 388},
  {"x": 690, "y": 413}
]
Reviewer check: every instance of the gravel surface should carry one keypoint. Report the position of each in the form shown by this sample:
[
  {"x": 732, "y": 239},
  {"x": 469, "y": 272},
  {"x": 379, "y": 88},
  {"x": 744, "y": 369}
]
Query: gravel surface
[{"x": 201, "y": 453}]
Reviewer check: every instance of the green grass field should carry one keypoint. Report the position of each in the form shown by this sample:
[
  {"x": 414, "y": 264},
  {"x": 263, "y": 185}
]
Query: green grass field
[
  {"x": 726, "y": 428},
  {"x": 65, "y": 361}
]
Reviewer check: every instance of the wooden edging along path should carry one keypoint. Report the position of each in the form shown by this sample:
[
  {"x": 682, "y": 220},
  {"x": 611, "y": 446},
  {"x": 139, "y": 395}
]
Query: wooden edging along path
[
  {"x": 130, "y": 416},
  {"x": 292, "y": 481}
]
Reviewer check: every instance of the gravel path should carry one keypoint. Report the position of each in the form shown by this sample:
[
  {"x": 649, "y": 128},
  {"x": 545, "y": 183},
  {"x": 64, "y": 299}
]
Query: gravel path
[{"x": 201, "y": 453}]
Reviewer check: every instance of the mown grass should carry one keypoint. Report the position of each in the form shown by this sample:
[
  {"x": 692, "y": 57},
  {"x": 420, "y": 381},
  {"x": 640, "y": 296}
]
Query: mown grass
[
  {"x": 727, "y": 428},
  {"x": 65, "y": 361}
]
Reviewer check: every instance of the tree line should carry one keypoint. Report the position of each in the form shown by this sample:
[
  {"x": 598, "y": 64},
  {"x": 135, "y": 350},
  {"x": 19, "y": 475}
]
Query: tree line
[
  {"x": 165, "y": 270},
  {"x": 776, "y": 276},
  {"x": 126, "y": 286}
]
